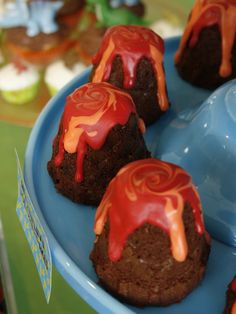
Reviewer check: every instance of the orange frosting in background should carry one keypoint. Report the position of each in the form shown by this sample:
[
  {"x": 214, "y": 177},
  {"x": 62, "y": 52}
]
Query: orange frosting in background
[
  {"x": 206, "y": 13},
  {"x": 91, "y": 111},
  {"x": 148, "y": 191},
  {"x": 131, "y": 43}
]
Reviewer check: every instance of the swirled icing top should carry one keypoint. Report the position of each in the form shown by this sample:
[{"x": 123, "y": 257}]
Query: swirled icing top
[
  {"x": 91, "y": 111},
  {"x": 148, "y": 191},
  {"x": 131, "y": 43},
  {"x": 210, "y": 12}
]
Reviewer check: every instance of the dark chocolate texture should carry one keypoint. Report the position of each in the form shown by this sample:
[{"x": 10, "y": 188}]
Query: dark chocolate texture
[
  {"x": 200, "y": 64},
  {"x": 147, "y": 273},
  {"x": 123, "y": 145}
]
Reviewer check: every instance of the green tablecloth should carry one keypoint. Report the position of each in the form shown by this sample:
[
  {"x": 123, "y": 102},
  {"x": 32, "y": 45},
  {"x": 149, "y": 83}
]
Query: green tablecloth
[{"x": 28, "y": 291}]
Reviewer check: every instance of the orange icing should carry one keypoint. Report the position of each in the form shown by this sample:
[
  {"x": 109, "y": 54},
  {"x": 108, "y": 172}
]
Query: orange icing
[
  {"x": 90, "y": 113},
  {"x": 233, "y": 311},
  {"x": 148, "y": 191},
  {"x": 206, "y": 13},
  {"x": 131, "y": 43}
]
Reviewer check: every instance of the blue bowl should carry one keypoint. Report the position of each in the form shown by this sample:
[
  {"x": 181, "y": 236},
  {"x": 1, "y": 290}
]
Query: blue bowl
[{"x": 198, "y": 134}]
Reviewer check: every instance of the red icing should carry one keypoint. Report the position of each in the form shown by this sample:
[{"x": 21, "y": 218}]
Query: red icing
[
  {"x": 91, "y": 111},
  {"x": 150, "y": 191},
  {"x": 206, "y": 13},
  {"x": 19, "y": 65},
  {"x": 131, "y": 43},
  {"x": 208, "y": 18},
  {"x": 233, "y": 284}
]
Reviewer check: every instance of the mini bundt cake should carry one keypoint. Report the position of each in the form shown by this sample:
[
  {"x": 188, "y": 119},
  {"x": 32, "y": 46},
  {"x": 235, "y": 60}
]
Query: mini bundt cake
[
  {"x": 230, "y": 307},
  {"x": 99, "y": 133},
  {"x": 151, "y": 246},
  {"x": 206, "y": 56},
  {"x": 131, "y": 58}
]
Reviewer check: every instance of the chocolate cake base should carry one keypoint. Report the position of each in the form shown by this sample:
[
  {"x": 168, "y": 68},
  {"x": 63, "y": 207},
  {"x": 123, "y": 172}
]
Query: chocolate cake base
[
  {"x": 147, "y": 273},
  {"x": 123, "y": 145},
  {"x": 200, "y": 65},
  {"x": 144, "y": 92},
  {"x": 230, "y": 299}
]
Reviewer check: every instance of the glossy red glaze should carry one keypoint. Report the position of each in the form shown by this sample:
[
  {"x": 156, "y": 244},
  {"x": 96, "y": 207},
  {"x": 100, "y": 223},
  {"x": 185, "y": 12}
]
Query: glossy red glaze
[
  {"x": 91, "y": 111},
  {"x": 148, "y": 191},
  {"x": 233, "y": 284},
  {"x": 131, "y": 43}
]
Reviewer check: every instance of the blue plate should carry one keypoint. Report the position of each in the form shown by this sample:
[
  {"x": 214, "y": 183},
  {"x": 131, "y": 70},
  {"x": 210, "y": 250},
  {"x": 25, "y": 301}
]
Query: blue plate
[{"x": 186, "y": 135}]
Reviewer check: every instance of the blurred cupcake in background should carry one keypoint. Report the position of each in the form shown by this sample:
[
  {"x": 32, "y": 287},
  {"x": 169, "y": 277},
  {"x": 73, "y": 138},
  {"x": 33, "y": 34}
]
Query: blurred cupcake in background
[
  {"x": 19, "y": 82},
  {"x": 166, "y": 29},
  {"x": 40, "y": 49},
  {"x": 32, "y": 32},
  {"x": 70, "y": 12},
  {"x": 58, "y": 74}
]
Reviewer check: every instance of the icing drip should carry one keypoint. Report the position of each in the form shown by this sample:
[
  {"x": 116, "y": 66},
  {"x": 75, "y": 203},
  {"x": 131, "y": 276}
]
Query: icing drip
[
  {"x": 91, "y": 111},
  {"x": 131, "y": 43},
  {"x": 149, "y": 191},
  {"x": 210, "y": 12}
]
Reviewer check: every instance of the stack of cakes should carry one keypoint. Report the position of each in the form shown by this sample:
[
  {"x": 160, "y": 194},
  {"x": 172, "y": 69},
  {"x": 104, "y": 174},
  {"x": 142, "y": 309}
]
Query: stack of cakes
[{"x": 151, "y": 245}]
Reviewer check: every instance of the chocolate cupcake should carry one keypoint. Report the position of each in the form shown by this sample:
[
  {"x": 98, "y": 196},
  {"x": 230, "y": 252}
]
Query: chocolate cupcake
[
  {"x": 206, "y": 56},
  {"x": 37, "y": 40},
  {"x": 230, "y": 307},
  {"x": 151, "y": 246},
  {"x": 70, "y": 7},
  {"x": 70, "y": 13},
  {"x": 99, "y": 133},
  {"x": 40, "y": 49},
  {"x": 131, "y": 58}
]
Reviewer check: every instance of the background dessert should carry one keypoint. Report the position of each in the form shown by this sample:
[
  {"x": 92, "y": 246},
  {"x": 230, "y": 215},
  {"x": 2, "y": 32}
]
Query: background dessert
[
  {"x": 19, "y": 82},
  {"x": 151, "y": 246},
  {"x": 76, "y": 24},
  {"x": 58, "y": 74}
]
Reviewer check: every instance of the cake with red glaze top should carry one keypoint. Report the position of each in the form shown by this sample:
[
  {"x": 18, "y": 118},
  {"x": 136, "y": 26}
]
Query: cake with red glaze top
[
  {"x": 99, "y": 132},
  {"x": 131, "y": 58},
  {"x": 151, "y": 247},
  {"x": 206, "y": 56},
  {"x": 230, "y": 307}
]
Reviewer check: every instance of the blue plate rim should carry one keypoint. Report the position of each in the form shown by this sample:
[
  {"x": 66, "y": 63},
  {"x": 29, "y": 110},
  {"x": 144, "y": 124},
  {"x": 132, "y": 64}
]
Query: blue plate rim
[{"x": 100, "y": 300}]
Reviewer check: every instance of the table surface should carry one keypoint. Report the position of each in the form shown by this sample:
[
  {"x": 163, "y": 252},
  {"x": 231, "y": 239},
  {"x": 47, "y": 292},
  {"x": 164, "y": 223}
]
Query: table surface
[{"x": 27, "y": 287}]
